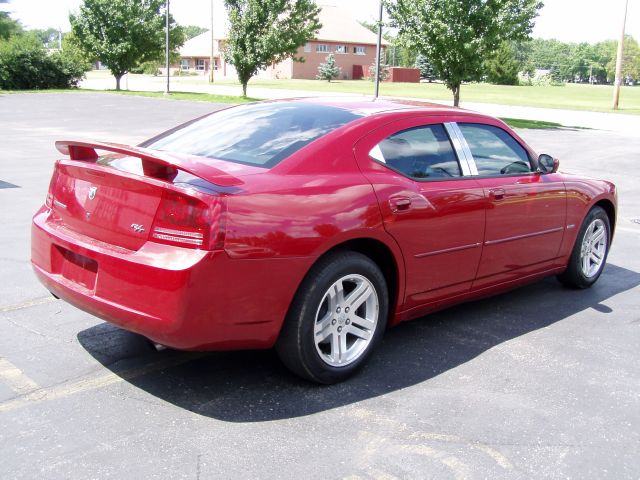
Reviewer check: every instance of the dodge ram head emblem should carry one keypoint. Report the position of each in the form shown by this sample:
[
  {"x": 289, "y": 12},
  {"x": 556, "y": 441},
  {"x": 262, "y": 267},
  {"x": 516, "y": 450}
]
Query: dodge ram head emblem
[{"x": 92, "y": 193}]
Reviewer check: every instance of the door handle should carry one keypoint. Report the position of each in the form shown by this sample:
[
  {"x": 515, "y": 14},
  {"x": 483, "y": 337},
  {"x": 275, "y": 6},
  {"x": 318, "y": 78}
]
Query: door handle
[
  {"x": 497, "y": 193},
  {"x": 400, "y": 204}
]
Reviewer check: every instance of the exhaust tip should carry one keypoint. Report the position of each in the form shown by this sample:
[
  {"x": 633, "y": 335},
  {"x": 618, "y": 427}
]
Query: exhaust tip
[{"x": 159, "y": 347}]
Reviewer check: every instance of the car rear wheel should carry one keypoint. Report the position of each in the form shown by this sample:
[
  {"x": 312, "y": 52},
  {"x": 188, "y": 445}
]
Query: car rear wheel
[
  {"x": 590, "y": 251},
  {"x": 336, "y": 319}
]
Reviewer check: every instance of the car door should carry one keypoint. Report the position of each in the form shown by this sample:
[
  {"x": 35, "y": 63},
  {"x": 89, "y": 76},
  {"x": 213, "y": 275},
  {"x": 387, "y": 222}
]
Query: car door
[
  {"x": 430, "y": 205},
  {"x": 526, "y": 211}
]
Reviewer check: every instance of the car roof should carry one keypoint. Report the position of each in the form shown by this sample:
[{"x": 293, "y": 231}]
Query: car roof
[{"x": 367, "y": 106}]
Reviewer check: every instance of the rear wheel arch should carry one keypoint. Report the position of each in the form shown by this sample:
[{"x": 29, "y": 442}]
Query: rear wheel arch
[
  {"x": 383, "y": 256},
  {"x": 337, "y": 317}
]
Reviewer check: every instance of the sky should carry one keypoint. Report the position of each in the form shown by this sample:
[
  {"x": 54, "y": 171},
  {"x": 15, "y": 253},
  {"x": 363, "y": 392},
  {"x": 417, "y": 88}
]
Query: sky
[{"x": 566, "y": 20}]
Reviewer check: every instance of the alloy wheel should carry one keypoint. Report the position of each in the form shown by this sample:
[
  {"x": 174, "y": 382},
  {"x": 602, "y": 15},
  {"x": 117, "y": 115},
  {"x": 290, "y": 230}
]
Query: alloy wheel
[
  {"x": 594, "y": 248},
  {"x": 346, "y": 320}
]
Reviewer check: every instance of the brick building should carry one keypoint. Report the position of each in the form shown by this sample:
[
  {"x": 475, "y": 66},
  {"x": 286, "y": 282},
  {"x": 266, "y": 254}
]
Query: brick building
[{"x": 353, "y": 46}]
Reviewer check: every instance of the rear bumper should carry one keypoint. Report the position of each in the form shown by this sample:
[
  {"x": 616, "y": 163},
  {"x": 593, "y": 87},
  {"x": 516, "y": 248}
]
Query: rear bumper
[{"x": 183, "y": 298}]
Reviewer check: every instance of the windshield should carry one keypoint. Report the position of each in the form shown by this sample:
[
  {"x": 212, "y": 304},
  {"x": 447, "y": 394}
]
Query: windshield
[{"x": 260, "y": 134}]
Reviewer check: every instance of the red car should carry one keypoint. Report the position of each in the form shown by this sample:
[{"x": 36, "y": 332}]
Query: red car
[{"x": 311, "y": 226}]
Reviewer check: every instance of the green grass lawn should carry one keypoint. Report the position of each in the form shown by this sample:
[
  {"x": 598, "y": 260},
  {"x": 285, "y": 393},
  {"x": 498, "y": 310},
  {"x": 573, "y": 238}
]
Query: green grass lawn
[
  {"x": 570, "y": 96},
  {"x": 532, "y": 124},
  {"x": 205, "y": 97}
]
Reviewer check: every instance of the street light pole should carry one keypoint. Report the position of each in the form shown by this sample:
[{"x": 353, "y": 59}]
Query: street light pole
[
  {"x": 167, "y": 91},
  {"x": 212, "y": 59},
  {"x": 618, "y": 81},
  {"x": 378, "y": 48}
]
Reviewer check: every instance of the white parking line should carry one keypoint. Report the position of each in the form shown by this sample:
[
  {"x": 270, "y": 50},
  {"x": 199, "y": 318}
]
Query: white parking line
[
  {"x": 37, "y": 395},
  {"x": 15, "y": 378},
  {"x": 27, "y": 304}
]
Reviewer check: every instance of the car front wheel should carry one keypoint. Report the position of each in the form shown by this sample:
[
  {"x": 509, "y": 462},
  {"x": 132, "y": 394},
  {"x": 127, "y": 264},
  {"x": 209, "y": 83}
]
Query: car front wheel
[
  {"x": 336, "y": 319},
  {"x": 590, "y": 251}
]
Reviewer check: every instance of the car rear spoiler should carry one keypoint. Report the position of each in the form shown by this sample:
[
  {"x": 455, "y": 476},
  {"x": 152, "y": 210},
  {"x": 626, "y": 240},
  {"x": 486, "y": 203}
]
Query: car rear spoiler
[{"x": 155, "y": 163}]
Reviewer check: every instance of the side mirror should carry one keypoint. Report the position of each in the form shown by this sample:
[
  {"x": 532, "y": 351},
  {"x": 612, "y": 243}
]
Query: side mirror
[{"x": 548, "y": 164}]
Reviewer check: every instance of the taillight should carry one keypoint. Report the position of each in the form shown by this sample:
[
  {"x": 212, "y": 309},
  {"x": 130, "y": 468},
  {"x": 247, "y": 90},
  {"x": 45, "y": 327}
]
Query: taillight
[{"x": 182, "y": 220}]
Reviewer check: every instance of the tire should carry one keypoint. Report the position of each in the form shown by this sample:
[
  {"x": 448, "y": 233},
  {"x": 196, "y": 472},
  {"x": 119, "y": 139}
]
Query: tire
[
  {"x": 590, "y": 251},
  {"x": 337, "y": 318}
]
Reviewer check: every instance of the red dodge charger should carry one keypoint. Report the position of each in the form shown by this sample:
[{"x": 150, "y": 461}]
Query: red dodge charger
[{"x": 311, "y": 225}]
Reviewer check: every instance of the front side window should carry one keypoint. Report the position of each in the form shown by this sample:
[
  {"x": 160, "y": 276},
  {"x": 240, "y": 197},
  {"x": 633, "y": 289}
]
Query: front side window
[
  {"x": 322, "y": 48},
  {"x": 341, "y": 49},
  {"x": 200, "y": 65},
  {"x": 307, "y": 47},
  {"x": 360, "y": 50},
  {"x": 421, "y": 153},
  {"x": 494, "y": 151},
  {"x": 260, "y": 134}
]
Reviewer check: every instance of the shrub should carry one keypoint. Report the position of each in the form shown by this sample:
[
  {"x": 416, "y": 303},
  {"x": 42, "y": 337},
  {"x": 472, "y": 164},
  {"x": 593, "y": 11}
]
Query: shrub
[
  {"x": 147, "y": 68},
  {"x": 383, "y": 74},
  {"x": 328, "y": 71},
  {"x": 26, "y": 65}
]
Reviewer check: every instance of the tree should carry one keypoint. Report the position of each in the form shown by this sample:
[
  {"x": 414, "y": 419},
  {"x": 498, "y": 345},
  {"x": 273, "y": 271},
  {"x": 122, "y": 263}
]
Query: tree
[
  {"x": 573, "y": 62},
  {"x": 602, "y": 53},
  {"x": 397, "y": 55},
  {"x": 8, "y": 26},
  {"x": 328, "y": 70},
  {"x": 49, "y": 37},
  {"x": 263, "y": 32},
  {"x": 503, "y": 67},
  {"x": 554, "y": 55},
  {"x": 72, "y": 54},
  {"x": 426, "y": 69},
  {"x": 630, "y": 60},
  {"x": 459, "y": 36},
  {"x": 191, "y": 31},
  {"x": 383, "y": 73},
  {"x": 556, "y": 76},
  {"x": 124, "y": 33}
]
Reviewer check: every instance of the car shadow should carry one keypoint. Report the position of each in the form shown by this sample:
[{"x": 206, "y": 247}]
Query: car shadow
[{"x": 253, "y": 386}]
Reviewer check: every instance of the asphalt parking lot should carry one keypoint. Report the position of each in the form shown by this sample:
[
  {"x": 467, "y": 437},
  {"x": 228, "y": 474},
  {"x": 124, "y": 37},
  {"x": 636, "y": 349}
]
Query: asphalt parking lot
[{"x": 541, "y": 382}]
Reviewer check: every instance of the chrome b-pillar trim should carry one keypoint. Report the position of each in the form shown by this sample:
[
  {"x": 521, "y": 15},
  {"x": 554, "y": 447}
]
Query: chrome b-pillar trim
[{"x": 462, "y": 149}]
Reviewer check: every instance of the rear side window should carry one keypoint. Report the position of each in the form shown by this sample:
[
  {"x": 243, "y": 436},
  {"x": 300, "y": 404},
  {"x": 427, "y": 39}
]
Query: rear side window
[
  {"x": 494, "y": 151},
  {"x": 421, "y": 153},
  {"x": 260, "y": 135}
]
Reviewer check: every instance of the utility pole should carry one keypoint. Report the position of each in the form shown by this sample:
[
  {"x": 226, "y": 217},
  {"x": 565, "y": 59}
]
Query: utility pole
[
  {"x": 212, "y": 59},
  {"x": 167, "y": 91},
  {"x": 378, "y": 50},
  {"x": 618, "y": 81}
]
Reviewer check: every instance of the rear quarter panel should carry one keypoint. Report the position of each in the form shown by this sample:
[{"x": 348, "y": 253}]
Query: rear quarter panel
[{"x": 310, "y": 203}]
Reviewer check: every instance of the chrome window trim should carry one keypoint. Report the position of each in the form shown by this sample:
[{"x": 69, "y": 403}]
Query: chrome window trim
[
  {"x": 472, "y": 161},
  {"x": 461, "y": 147},
  {"x": 376, "y": 155}
]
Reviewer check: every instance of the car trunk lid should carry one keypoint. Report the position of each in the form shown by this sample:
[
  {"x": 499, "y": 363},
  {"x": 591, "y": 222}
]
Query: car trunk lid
[{"x": 133, "y": 195}]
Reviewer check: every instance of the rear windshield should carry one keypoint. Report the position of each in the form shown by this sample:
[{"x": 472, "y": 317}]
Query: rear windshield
[{"x": 261, "y": 134}]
